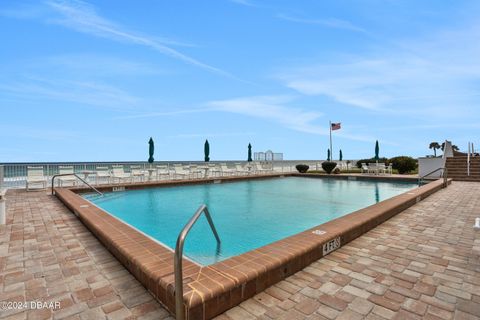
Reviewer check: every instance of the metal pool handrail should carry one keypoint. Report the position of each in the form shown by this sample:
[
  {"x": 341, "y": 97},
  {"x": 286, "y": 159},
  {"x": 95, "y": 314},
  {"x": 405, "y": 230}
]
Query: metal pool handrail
[
  {"x": 444, "y": 175},
  {"x": 74, "y": 174},
  {"x": 179, "y": 310}
]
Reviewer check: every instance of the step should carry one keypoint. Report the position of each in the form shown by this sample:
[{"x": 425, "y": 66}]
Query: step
[
  {"x": 463, "y": 161},
  {"x": 464, "y": 177},
  {"x": 467, "y": 179}
]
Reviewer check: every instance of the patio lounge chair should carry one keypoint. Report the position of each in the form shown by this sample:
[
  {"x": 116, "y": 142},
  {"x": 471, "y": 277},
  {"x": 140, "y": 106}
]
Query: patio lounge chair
[
  {"x": 241, "y": 170},
  {"x": 365, "y": 168},
  {"x": 162, "y": 171},
  {"x": 226, "y": 171},
  {"x": 102, "y": 173},
  {"x": 195, "y": 171},
  {"x": 66, "y": 179},
  {"x": 118, "y": 173},
  {"x": 35, "y": 176},
  {"x": 179, "y": 171},
  {"x": 381, "y": 168},
  {"x": 259, "y": 169},
  {"x": 137, "y": 172},
  {"x": 389, "y": 169},
  {"x": 214, "y": 170}
]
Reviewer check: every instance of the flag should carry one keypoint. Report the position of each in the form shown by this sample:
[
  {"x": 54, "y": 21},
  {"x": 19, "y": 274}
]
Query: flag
[{"x": 336, "y": 126}]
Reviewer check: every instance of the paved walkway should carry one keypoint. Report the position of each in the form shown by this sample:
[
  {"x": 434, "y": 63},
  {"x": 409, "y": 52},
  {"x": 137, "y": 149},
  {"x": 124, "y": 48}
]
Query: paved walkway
[{"x": 422, "y": 264}]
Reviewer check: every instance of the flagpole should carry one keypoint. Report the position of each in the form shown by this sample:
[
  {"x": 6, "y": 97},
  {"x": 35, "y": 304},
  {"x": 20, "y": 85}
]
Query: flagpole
[{"x": 331, "y": 151}]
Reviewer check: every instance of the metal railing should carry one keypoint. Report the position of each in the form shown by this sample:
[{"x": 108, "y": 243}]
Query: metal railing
[
  {"x": 15, "y": 174},
  {"x": 78, "y": 177},
  {"x": 179, "y": 309},
  {"x": 1, "y": 177},
  {"x": 444, "y": 176}
]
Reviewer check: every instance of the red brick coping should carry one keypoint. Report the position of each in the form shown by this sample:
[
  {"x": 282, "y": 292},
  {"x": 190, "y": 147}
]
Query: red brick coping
[{"x": 213, "y": 289}]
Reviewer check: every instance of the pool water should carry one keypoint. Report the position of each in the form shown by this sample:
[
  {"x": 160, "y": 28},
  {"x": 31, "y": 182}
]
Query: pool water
[{"x": 247, "y": 214}]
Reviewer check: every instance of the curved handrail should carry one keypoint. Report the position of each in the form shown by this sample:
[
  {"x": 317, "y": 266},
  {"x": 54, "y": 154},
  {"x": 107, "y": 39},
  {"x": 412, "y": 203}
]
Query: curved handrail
[
  {"x": 444, "y": 175},
  {"x": 179, "y": 310},
  {"x": 76, "y": 175}
]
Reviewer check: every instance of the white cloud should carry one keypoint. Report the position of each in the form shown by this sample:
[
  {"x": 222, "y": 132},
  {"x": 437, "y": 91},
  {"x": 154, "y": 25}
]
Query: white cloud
[
  {"x": 19, "y": 131},
  {"x": 92, "y": 65},
  {"x": 82, "y": 17},
  {"x": 162, "y": 114},
  {"x": 276, "y": 109},
  {"x": 425, "y": 76},
  {"x": 267, "y": 107},
  {"x": 211, "y": 135},
  {"x": 78, "y": 92},
  {"x": 327, "y": 22},
  {"x": 244, "y": 3}
]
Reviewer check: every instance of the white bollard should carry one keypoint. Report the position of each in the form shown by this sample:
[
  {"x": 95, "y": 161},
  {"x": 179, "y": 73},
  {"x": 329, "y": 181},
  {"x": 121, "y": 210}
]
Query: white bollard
[
  {"x": 476, "y": 226},
  {"x": 3, "y": 213}
]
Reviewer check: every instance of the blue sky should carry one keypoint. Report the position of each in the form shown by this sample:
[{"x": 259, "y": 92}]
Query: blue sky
[{"x": 93, "y": 81}]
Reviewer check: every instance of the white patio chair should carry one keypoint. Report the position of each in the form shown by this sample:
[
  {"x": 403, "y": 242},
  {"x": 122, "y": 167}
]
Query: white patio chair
[
  {"x": 138, "y": 172},
  {"x": 259, "y": 169},
  {"x": 226, "y": 171},
  {"x": 381, "y": 168},
  {"x": 389, "y": 169},
  {"x": 195, "y": 171},
  {"x": 214, "y": 170},
  {"x": 35, "y": 176},
  {"x": 180, "y": 171},
  {"x": 365, "y": 168},
  {"x": 102, "y": 173},
  {"x": 66, "y": 179},
  {"x": 162, "y": 171},
  {"x": 118, "y": 173},
  {"x": 241, "y": 170}
]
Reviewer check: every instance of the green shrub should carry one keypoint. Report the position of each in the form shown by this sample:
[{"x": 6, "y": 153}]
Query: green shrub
[
  {"x": 404, "y": 164},
  {"x": 302, "y": 168},
  {"x": 372, "y": 160},
  {"x": 328, "y": 166}
]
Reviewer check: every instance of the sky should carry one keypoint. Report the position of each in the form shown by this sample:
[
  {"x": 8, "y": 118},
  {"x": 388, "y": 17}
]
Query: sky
[{"x": 94, "y": 80}]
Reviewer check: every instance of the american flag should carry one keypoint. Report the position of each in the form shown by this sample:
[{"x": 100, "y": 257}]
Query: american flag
[{"x": 336, "y": 126}]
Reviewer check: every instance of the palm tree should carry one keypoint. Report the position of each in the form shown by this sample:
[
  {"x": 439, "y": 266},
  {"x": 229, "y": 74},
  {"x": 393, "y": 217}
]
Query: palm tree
[
  {"x": 454, "y": 147},
  {"x": 434, "y": 146}
]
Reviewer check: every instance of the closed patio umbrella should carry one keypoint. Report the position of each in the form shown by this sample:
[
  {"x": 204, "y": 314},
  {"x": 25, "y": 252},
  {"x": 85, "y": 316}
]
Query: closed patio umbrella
[
  {"x": 377, "y": 150},
  {"x": 206, "y": 151},
  {"x": 249, "y": 159},
  {"x": 151, "y": 150}
]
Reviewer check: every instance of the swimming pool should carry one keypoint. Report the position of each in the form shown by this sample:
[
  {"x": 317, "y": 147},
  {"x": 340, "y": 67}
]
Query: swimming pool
[{"x": 247, "y": 214}]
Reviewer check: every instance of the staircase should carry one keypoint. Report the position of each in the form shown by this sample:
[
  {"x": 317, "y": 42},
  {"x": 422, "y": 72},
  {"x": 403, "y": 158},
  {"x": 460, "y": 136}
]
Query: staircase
[{"x": 457, "y": 168}]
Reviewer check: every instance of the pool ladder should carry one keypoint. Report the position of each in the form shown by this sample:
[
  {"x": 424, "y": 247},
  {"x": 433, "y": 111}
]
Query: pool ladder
[{"x": 179, "y": 308}]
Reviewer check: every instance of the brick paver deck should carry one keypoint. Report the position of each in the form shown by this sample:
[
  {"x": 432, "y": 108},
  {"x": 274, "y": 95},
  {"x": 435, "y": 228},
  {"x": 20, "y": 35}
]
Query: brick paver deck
[{"x": 422, "y": 264}]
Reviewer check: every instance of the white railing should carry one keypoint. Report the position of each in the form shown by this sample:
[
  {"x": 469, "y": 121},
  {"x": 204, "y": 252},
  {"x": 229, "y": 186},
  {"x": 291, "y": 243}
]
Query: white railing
[
  {"x": 1, "y": 177},
  {"x": 14, "y": 175}
]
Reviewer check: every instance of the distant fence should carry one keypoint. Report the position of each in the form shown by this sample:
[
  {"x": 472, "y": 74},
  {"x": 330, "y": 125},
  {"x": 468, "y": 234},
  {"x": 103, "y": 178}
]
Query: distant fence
[
  {"x": 14, "y": 175},
  {"x": 1, "y": 177},
  {"x": 268, "y": 156}
]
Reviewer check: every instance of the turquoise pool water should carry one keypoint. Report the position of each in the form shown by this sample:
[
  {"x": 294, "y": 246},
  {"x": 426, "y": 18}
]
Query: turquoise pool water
[{"x": 247, "y": 214}]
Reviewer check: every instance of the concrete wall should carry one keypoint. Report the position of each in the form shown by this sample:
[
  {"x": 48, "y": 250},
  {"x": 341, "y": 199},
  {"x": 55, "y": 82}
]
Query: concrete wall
[{"x": 427, "y": 165}]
